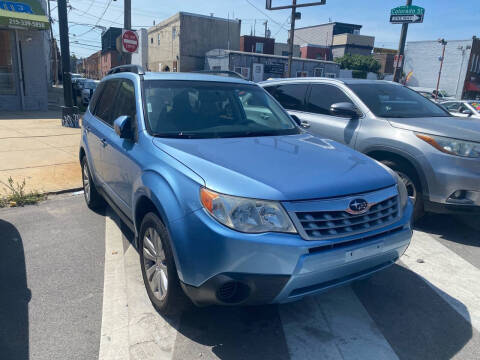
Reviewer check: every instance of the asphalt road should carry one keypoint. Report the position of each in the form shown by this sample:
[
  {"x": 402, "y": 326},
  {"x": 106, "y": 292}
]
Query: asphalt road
[{"x": 52, "y": 303}]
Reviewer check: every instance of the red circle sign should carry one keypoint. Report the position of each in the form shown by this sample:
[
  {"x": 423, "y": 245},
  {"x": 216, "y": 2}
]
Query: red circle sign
[{"x": 130, "y": 41}]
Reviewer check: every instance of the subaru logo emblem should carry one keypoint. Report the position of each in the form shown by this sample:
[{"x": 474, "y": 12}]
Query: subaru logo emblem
[{"x": 357, "y": 206}]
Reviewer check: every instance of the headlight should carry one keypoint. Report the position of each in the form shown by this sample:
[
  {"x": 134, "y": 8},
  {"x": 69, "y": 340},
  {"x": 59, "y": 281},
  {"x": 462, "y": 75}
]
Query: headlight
[
  {"x": 246, "y": 215},
  {"x": 452, "y": 146},
  {"x": 402, "y": 191}
]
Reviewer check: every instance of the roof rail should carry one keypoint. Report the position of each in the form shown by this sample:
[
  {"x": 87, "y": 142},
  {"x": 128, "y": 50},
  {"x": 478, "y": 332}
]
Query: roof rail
[
  {"x": 136, "y": 69},
  {"x": 226, "y": 73}
]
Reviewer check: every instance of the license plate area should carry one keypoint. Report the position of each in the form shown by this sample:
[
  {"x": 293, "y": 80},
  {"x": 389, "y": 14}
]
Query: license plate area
[{"x": 363, "y": 252}]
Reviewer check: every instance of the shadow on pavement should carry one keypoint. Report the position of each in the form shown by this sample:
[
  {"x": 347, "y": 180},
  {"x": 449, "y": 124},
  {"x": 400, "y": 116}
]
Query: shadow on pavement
[
  {"x": 14, "y": 295},
  {"x": 416, "y": 321},
  {"x": 29, "y": 115},
  {"x": 449, "y": 228}
]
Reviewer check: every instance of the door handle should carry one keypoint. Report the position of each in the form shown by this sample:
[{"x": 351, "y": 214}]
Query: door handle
[{"x": 104, "y": 142}]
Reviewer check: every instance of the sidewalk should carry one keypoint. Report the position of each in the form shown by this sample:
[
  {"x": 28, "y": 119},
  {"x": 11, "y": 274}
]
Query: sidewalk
[{"x": 34, "y": 146}]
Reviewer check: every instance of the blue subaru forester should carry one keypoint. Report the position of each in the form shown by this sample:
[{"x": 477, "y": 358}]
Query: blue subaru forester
[{"x": 231, "y": 201}]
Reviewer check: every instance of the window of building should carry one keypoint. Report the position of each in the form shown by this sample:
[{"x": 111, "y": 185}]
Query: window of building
[
  {"x": 7, "y": 75},
  {"x": 291, "y": 96},
  {"x": 322, "y": 96},
  {"x": 151, "y": 40},
  {"x": 284, "y": 53},
  {"x": 331, "y": 75},
  {"x": 318, "y": 72},
  {"x": 302, "y": 73},
  {"x": 259, "y": 47},
  {"x": 158, "y": 39},
  {"x": 105, "y": 106},
  {"x": 174, "y": 33},
  {"x": 244, "y": 71}
]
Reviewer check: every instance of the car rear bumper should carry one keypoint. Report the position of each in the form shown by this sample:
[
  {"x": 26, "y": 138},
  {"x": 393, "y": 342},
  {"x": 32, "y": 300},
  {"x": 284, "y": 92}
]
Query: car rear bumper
[{"x": 217, "y": 265}]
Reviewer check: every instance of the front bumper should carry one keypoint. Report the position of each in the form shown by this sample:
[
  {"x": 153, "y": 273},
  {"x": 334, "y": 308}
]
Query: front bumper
[
  {"x": 448, "y": 174},
  {"x": 217, "y": 265}
]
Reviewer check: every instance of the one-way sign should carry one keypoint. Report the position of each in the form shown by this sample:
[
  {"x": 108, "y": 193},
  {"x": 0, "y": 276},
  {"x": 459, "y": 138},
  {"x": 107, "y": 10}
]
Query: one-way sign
[{"x": 401, "y": 19}]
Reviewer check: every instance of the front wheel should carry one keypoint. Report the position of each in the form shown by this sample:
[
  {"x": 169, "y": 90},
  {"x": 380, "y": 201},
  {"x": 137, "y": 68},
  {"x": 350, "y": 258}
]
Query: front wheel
[
  {"x": 158, "y": 267},
  {"x": 414, "y": 189}
]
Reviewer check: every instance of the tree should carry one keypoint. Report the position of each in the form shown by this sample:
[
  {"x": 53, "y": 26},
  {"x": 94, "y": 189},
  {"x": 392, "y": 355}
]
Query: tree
[{"x": 358, "y": 62}]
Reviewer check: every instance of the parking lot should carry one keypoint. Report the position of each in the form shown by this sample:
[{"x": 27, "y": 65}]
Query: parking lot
[{"x": 71, "y": 288}]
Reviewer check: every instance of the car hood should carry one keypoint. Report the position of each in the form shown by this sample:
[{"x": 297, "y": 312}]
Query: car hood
[
  {"x": 453, "y": 127},
  {"x": 295, "y": 167}
]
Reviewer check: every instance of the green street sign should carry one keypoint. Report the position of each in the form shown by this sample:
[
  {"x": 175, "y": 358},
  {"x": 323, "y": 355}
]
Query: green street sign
[
  {"x": 407, "y": 14},
  {"x": 408, "y": 10}
]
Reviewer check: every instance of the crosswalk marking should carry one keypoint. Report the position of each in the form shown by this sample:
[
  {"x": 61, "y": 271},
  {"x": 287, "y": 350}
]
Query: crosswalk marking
[
  {"x": 333, "y": 325},
  {"x": 453, "y": 278}
]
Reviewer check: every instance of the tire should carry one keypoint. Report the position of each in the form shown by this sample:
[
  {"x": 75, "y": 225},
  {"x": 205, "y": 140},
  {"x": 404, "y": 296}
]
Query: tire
[
  {"x": 158, "y": 267},
  {"x": 408, "y": 174},
  {"x": 93, "y": 199}
]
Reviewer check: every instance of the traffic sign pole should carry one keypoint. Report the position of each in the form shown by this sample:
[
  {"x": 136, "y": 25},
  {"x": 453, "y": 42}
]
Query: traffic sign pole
[
  {"x": 127, "y": 24},
  {"x": 401, "y": 49}
]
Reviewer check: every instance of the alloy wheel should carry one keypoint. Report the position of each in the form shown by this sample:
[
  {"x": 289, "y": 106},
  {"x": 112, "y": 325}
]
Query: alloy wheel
[{"x": 155, "y": 263}]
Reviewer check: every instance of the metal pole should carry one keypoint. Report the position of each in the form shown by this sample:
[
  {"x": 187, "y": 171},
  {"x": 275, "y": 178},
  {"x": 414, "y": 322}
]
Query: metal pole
[
  {"x": 444, "y": 43},
  {"x": 401, "y": 49},
  {"x": 290, "y": 45},
  {"x": 127, "y": 24},
  {"x": 460, "y": 72},
  {"x": 65, "y": 50}
]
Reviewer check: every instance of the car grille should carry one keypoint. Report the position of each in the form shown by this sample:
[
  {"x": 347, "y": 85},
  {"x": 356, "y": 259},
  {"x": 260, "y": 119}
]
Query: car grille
[{"x": 320, "y": 225}]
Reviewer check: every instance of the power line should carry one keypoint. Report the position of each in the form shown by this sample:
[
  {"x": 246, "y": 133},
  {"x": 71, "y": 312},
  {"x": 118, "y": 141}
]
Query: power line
[{"x": 99, "y": 19}]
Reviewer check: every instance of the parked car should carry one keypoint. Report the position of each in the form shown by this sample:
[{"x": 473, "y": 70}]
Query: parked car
[
  {"x": 88, "y": 88},
  {"x": 429, "y": 93},
  {"x": 230, "y": 201},
  {"x": 437, "y": 155},
  {"x": 463, "y": 108}
]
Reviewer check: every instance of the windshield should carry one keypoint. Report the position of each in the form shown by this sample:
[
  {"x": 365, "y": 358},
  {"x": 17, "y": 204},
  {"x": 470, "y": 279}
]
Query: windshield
[
  {"x": 394, "y": 101},
  {"x": 195, "y": 109}
]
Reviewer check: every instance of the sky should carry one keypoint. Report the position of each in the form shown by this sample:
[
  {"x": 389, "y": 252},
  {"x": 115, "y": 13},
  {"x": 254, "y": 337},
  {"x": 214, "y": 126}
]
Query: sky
[{"x": 449, "y": 19}]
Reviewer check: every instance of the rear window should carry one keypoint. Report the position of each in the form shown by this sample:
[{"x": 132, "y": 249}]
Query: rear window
[{"x": 394, "y": 101}]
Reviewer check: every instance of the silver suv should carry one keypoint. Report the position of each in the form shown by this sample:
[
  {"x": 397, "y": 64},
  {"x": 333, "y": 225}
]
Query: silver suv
[{"x": 437, "y": 155}]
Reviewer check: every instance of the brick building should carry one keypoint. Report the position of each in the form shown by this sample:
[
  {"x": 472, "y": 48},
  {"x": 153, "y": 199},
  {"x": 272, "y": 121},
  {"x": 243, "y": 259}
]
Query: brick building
[
  {"x": 91, "y": 65},
  {"x": 318, "y": 52},
  {"x": 257, "y": 44}
]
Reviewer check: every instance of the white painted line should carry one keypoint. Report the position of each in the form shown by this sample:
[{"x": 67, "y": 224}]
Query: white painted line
[
  {"x": 114, "y": 331},
  {"x": 453, "y": 278},
  {"x": 150, "y": 335},
  {"x": 333, "y": 325}
]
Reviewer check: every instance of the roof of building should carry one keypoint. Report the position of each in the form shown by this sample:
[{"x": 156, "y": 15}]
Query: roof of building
[
  {"x": 356, "y": 26},
  {"x": 212, "y": 53}
]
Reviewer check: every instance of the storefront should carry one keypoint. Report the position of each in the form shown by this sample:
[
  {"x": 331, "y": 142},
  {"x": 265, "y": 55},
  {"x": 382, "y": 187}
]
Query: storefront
[{"x": 24, "y": 54}]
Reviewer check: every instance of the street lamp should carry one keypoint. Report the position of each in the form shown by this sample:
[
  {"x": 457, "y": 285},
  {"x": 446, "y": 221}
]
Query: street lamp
[{"x": 443, "y": 42}]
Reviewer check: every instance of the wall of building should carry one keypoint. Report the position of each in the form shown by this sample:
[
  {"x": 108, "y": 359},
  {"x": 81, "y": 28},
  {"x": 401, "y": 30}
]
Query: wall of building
[
  {"x": 92, "y": 65},
  {"x": 108, "y": 60},
  {"x": 163, "y": 46},
  {"x": 317, "y": 52},
  {"x": 422, "y": 58},
  {"x": 249, "y": 43},
  {"x": 386, "y": 62},
  {"x": 281, "y": 49},
  {"x": 317, "y": 35},
  {"x": 141, "y": 57},
  {"x": 200, "y": 34}
]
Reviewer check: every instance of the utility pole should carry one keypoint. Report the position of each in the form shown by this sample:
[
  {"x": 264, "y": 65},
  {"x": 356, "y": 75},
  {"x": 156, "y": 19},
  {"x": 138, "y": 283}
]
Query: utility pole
[
  {"x": 53, "y": 49},
  {"x": 127, "y": 24},
  {"x": 68, "y": 110},
  {"x": 292, "y": 35},
  {"x": 401, "y": 49},
  {"x": 266, "y": 28},
  {"x": 444, "y": 43},
  {"x": 294, "y": 7}
]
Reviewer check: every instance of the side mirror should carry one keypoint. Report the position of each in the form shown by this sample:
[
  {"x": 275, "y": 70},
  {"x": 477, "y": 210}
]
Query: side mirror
[
  {"x": 123, "y": 126},
  {"x": 303, "y": 124},
  {"x": 467, "y": 112},
  {"x": 344, "y": 109}
]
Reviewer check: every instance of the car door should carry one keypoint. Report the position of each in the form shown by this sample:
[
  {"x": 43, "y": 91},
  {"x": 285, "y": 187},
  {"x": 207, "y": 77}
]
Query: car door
[
  {"x": 120, "y": 169},
  {"x": 101, "y": 125},
  {"x": 319, "y": 100},
  {"x": 290, "y": 96}
]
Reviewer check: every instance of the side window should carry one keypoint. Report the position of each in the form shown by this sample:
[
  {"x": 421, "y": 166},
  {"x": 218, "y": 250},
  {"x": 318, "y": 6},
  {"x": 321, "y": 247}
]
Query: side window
[
  {"x": 453, "y": 106},
  {"x": 462, "y": 108},
  {"x": 291, "y": 96},
  {"x": 95, "y": 96},
  {"x": 125, "y": 103},
  {"x": 322, "y": 96},
  {"x": 104, "y": 107}
]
